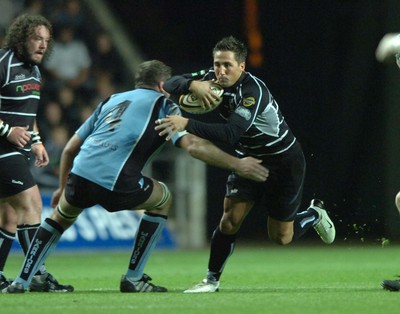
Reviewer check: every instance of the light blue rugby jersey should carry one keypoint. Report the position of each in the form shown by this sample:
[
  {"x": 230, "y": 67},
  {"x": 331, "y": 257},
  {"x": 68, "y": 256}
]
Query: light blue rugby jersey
[{"x": 119, "y": 138}]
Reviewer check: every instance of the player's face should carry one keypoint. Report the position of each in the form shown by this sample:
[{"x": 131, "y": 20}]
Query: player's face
[
  {"x": 227, "y": 69},
  {"x": 37, "y": 45}
]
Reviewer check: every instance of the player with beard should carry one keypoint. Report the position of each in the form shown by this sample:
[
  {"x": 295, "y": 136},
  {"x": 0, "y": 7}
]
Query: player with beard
[{"x": 27, "y": 42}]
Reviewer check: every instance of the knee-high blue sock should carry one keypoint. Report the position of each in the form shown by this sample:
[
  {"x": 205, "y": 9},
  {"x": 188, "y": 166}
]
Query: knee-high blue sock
[
  {"x": 25, "y": 234},
  {"x": 148, "y": 233},
  {"x": 43, "y": 243}
]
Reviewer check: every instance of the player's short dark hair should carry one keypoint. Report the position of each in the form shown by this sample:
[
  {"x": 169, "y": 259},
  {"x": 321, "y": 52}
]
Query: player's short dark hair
[
  {"x": 150, "y": 73},
  {"x": 230, "y": 43},
  {"x": 22, "y": 28}
]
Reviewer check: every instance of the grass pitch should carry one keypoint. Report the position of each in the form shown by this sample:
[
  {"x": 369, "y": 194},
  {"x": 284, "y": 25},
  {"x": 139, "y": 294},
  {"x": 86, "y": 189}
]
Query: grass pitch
[{"x": 264, "y": 279}]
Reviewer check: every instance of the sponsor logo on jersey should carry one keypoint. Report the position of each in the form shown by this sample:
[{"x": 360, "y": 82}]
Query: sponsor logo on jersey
[
  {"x": 103, "y": 144},
  {"x": 27, "y": 87},
  {"x": 243, "y": 112},
  {"x": 249, "y": 101}
]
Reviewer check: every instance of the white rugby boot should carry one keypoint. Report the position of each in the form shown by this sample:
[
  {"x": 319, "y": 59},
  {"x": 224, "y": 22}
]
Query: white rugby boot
[
  {"x": 206, "y": 286},
  {"x": 324, "y": 225}
]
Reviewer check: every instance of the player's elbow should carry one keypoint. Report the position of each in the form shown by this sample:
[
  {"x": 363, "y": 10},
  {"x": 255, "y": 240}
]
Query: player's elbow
[
  {"x": 195, "y": 150},
  {"x": 192, "y": 145}
]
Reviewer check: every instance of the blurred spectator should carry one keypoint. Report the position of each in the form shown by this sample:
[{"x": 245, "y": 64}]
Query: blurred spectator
[
  {"x": 70, "y": 105},
  {"x": 69, "y": 63},
  {"x": 104, "y": 86},
  {"x": 47, "y": 177},
  {"x": 9, "y": 9},
  {"x": 71, "y": 13},
  {"x": 35, "y": 7},
  {"x": 52, "y": 117},
  {"x": 106, "y": 60},
  {"x": 85, "y": 112}
]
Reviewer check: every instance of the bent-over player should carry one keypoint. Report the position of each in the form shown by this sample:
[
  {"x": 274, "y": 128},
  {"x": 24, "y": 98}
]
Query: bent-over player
[{"x": 102, "y": 164}]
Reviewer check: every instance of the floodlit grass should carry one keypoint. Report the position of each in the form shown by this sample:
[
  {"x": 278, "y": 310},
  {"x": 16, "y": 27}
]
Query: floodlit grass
[{"x": 263, "y": 279}]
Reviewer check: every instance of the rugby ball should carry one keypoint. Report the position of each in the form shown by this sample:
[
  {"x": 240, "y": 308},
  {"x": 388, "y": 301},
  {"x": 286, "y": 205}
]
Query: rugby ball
[{"x": 190, "y": 103}]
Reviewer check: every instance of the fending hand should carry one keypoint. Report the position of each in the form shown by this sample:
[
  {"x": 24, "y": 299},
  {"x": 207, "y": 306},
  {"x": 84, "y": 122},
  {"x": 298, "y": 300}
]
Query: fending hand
[{"x": 171, "y": 125}]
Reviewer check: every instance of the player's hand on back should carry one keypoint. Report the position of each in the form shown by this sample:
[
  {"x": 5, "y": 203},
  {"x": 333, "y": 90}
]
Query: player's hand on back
[{"x": 252, "y": 169}]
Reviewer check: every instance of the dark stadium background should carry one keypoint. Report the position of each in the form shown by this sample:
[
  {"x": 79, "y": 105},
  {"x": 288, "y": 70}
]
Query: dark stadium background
[{"x": 318, "y": 60}]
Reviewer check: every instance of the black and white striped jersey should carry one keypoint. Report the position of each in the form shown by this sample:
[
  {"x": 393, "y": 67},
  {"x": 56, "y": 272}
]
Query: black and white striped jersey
[
  {"x": 20, "y": 85},
  {"x": 254, "y": 122}
]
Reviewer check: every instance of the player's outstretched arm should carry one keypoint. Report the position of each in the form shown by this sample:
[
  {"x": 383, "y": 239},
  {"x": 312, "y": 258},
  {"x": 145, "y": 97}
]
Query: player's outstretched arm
[
  {"x": 204, "y": 150},
  {"x": 71, "y": 149}
]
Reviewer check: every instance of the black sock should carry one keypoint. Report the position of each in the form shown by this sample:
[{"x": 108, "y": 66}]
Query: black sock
[
  {"x": 304, "y": 221},
  {"x": 6, "y": 241},
  {"x": 43, "y": 243},
  {"x": 25, "y": 235},
  {"x": 222, "y": 246}
]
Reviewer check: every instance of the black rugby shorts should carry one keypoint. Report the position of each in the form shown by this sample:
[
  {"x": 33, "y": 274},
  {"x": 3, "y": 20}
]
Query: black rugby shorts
[
  {"x": 15, "y": 175},
  {"x": 82, "y": 193},
  {"x": 281, "y": 194}
]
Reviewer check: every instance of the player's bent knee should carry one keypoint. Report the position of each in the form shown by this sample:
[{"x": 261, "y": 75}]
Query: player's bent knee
[
  {"x": 281, "y": 232},
  {"x": 281, "y": 238},
  {"x": 63, "y": 217},
  {"x": 228, "y": 229},
  {"x": 67, "y": 217},
  {"x": 165, "y": 198}
]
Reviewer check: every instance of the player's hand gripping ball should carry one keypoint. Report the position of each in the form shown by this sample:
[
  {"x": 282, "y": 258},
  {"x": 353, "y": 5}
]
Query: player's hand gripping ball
[{"x": 190, "y": 103}]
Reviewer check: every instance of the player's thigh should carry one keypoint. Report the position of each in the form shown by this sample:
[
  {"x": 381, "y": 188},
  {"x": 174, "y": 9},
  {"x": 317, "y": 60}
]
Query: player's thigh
[
  {"x": 27, "y": 205},
  {"x": 285, "y": 187},
  {"x": 8, "y": 217},
  {"x": 15, "y": 177}
]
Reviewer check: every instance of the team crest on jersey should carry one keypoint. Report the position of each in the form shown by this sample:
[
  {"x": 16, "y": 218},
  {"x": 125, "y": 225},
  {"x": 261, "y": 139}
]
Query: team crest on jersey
[
  {"x": 249, "y": 101},
  {"x": 243, "y": 112}
]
